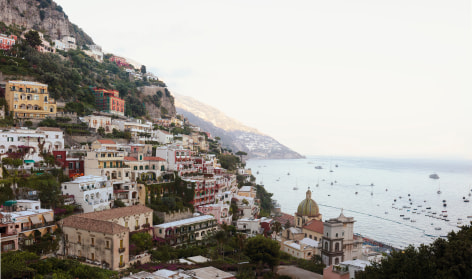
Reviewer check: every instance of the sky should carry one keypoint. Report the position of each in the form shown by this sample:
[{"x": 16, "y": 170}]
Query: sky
[{"x": 340, "y": 77}]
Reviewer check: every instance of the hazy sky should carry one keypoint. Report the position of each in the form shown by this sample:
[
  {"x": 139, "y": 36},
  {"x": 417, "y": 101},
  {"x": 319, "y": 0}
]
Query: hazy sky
[{"x": 374, "y": 78}]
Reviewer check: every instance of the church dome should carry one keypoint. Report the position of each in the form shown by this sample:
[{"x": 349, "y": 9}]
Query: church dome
[{"x": 308, "y": 207}]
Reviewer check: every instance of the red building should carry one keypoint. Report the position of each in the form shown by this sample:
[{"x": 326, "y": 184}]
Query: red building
[
  {"x": 109, "y": 101},
  {"x": 75, "y": 166},
  {"x": 120, "y": 61},
  {"x": 6, "y": 42}
]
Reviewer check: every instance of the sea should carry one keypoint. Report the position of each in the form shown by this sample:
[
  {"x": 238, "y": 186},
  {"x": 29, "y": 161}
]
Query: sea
[{"x": 393, "y": 201}]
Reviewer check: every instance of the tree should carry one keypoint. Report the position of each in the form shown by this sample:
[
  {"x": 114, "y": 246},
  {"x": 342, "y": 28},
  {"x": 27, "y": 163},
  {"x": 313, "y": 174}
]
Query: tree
[
  {"x": 220, "y": 237},
  {"x": 142, "y": 240},
  {"x": 32, "y": 38},
  {"x": 15, "y": 264},
  {"x": 441, "y": 259},
  {"x": 101, "y": 131},
  {"x": 143, "y": 69},
  {"x": 262, "y": 250},
  {"x": 277, "y": 227}
]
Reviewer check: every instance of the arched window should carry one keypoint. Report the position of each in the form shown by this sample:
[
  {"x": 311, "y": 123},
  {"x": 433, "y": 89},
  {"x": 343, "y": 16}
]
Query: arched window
[{"x": 336, "y": 247}]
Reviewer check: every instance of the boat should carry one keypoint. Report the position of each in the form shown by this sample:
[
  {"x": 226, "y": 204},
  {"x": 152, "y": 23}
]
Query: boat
[
  {"x": 295, "y": 188},
  {"x": 434, "y": 176},
  {"x": 470, "y": 217},
  {"x": 466, "y": 200},
  {"x": 318, "y": 167},
  {"x": 437, "y": 228}
]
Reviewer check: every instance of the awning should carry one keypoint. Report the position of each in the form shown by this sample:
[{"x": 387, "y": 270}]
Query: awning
[
  {"x": 29, "y": 161},
  {"x": 35, "y": 220},
  {"x": 48, "y": 218}
]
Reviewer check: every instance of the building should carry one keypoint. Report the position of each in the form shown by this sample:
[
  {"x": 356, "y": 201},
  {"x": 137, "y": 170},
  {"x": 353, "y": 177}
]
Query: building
[
  {"x": 302, "y": 249},
  {"x": 29, "y": 100},
  {"x": 339, "y": 243},
  {"x": 95, "y": 242},
  {"x": 164, "y": 137},
  {"x": 67, "y": 42},
  {"x": 99, "y": 121},
  {"x": 345, "y": 270},
  {"x": 249, "y": 226},
  {"x": 92, "y": 193},
  {"x": 30, "y": 143},
  {"x": 102, "y": 238},
  {"x": 7, "y": 42},
  {"x": 94, "y": 51},
  {"x": 74, "y": 166},
  {"x": 220, "y": 211},
  {"x": 107, "y": 162},
  {"x": 21, "y": 219},
  {"x": 186, "y": 230},
  {"x": 176, "y": 157},
  {"x": 109, "y": 101},
  {"x": 145, "y": 167},
  {"x": 120, "y": 61}
]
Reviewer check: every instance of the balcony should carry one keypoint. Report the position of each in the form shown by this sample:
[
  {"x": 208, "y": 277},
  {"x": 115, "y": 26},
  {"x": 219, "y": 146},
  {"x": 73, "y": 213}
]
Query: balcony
[
  {"x": 136, "y": 227},
  {"x": 121, "y": 250}
]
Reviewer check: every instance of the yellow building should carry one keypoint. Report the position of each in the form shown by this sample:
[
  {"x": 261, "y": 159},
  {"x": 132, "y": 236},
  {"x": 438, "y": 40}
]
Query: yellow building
[{"x": 27, "y": 99}]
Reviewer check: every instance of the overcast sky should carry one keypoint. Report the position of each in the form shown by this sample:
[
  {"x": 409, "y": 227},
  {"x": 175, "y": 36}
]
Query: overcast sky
[{"x": 368, "y": 78}]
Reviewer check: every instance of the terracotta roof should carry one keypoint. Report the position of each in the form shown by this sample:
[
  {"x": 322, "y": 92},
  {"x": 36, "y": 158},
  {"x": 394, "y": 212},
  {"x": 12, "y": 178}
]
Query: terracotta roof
[
  {"x": 315, "y": 226},
  {"x": 283, "y": 219},
  {"x": 130, "y": 159},
  {"x": 117, "y": 212},
  {"x": 106, "y": 142},
  {"x": 50, "y": 129},
  {"x": 153, "y": 159},
  {"x": 79, "y": 222}
]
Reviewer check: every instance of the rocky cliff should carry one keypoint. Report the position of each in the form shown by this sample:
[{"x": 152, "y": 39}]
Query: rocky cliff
[
  {"x": 42, "y": 15},
  {"x": 158, "y": 101}
]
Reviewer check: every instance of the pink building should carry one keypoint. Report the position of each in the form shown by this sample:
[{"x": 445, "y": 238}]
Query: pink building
[
  {"x": 6, "y": 42},
  {"x": 219, "y": 211}
]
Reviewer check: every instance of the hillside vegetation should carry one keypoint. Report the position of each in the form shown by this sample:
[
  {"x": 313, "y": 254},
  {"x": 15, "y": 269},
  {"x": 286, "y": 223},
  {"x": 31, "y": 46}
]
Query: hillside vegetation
[{"x": 71, "y": 74}]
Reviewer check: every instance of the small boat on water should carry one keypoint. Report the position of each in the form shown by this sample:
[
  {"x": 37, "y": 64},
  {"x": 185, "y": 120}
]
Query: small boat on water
[
  {"x": 466, "y": 200},
  {"x": 318, "y": 167},
  {"x": 437, "y": 228},
  {"x": 434, "y": 176}
]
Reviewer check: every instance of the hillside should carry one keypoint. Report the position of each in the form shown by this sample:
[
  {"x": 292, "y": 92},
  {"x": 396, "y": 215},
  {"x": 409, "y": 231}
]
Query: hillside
[
  {"x": 233, "y": 134},
  {"x": 42, "y": 15}
]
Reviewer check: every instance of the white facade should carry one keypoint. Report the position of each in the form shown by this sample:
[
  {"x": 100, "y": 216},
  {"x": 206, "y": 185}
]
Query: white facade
[
  {"x": 97, "y": 121},
  {"x": 93, "y": 193},
  {"x": 164, "y": 137},
  {"x": 250, "y": 226},
  {"x": 16, "y": 139}
]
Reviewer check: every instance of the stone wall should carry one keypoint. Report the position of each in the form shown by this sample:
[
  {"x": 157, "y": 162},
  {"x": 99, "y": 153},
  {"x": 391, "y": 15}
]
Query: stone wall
[{"x": 175, "y": 216}]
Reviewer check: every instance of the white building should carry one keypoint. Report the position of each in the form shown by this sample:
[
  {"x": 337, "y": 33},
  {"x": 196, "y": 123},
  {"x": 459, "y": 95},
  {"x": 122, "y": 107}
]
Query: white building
[
  {"x": 93, "y": 193},
  {"x": 250, "y": 226},
  {"x": 65, "y": 44},
  {"x": 95, "y": 51},
  {"x": 164, "y": 137},
  {"x": 99, "y": 121},
  {"x": 176, "y": 157},
  {"x": 30, "y": 142}
]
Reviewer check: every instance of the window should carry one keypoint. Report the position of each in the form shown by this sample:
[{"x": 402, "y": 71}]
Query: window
[
  {"x": 108, "y": 244},
  {"x": 46, "y": 108},
  {"x": 93, "y": 256},
  {"x": 71, "y": 166},
  {"x": 36, "y": 97},
  {"x": 93, "y": 241},
  {"x": 137, "y": 223},
  {"x": 80, "y": 239},
  {"x": 126, "y": 224},
  {"x": 121, "y": 243}
]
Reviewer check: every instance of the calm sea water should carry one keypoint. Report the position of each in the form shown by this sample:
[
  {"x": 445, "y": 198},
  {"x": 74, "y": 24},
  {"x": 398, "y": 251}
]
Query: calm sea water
[{"x": 378, "y": 183}]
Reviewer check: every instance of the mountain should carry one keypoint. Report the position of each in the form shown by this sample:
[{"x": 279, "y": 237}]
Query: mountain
[
  {"x": 42, "y": 15},
  {"x": 233, "y": 134}
]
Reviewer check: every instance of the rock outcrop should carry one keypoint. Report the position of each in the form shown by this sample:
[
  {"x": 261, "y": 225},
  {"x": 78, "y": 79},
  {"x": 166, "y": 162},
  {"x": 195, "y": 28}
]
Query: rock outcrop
[
  {"x": 158, "y": 101},
  {"x": 42, "y": 15}
]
